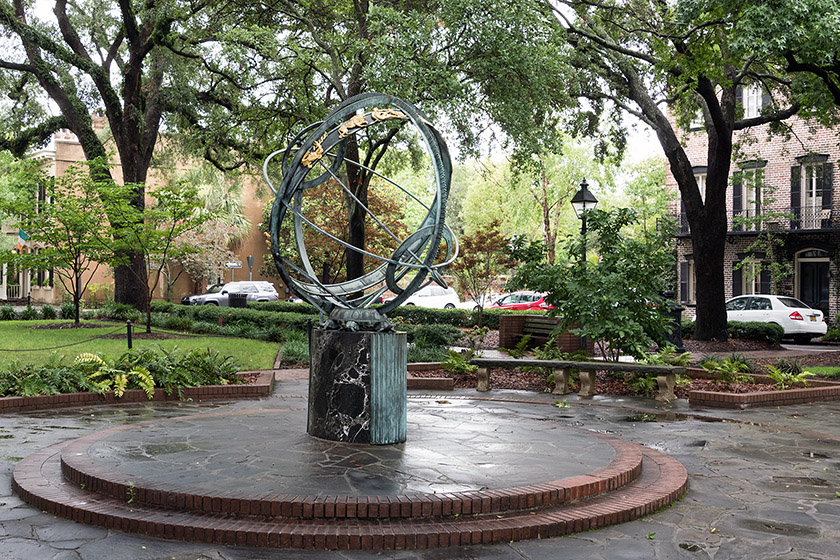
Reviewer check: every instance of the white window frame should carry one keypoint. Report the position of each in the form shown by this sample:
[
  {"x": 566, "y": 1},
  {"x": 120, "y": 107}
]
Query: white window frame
[
  {"x": 751, "y": 100},
  {"x": 750, "y": 278},
  {"x": 691, "y": 282},
  {"x": 701, "y": 185},
  {"x": 811, "y": 195}
]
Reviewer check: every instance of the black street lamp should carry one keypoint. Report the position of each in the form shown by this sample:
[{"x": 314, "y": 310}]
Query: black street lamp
[{"x": 583, "y": 202}]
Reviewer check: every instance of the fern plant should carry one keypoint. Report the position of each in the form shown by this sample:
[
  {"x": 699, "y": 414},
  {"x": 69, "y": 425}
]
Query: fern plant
[
  {"x": 520, "y": 349},
  {"x": 727, "y": 370},
  {"x": 786, "y": 379},
  {"x": 109, "y": 377},
  {"x": 460, "y": 363},
  {"x": 668, "y": 357}
]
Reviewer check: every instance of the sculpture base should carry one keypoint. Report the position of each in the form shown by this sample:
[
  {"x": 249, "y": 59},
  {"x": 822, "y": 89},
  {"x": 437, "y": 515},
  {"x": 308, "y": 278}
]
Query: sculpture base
[{"x": 357, "y": 386}]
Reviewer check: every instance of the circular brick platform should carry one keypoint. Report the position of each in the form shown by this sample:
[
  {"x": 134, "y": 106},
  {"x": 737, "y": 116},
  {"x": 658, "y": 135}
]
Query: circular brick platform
[{"x": 471, "y": 472}]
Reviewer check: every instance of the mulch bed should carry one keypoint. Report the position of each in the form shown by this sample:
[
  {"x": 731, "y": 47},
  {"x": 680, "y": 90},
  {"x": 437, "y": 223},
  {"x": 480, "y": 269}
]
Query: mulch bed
[
  {"x": 83, "y": 325},
  {"x": 605, "y": 384}
]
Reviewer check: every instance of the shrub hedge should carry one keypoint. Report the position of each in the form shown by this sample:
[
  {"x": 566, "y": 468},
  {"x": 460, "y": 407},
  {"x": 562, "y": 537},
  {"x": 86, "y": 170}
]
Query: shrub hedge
[{"x": 770, "y": 332}]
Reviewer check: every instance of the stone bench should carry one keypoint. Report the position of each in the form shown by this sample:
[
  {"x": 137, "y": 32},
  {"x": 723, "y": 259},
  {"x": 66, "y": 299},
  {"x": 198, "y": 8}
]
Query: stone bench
[{"x": 666, "y": 376}]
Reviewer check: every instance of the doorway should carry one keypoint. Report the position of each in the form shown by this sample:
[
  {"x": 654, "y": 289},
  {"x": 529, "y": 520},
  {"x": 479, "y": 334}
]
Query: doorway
[{"x": 812, "y": 268}]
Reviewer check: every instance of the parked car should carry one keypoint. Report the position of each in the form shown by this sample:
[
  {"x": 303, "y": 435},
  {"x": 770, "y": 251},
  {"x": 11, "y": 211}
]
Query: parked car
[
  {"x": 522, "y": 300},
  {"x": 435, "y": 297},
  {"x": 484, "y": 301},
  {"x": 797, "y": 319},
  {"x": 254, "y": 291}
]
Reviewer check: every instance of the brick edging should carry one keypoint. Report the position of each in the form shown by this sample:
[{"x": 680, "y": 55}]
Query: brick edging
[
  {"x": 262, "y": 387},
  {"x": 764, "y": 398},
  {"x": 37, "y": 481},
  {"x": 78, "y": 468}
]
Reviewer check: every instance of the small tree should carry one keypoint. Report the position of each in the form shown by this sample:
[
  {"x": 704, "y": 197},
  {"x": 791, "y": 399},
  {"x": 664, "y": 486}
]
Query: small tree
[
  {"x": 615, "y": 300},
  {"x": 64, "y": 219},
  {"x": 200, "y": 253},
  {"x": 483, "y": 255},
  {"x": 153, "y": 233}
]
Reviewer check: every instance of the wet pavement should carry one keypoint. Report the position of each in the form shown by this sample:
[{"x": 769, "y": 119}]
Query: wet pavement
[{"x": 763, "y": 483}]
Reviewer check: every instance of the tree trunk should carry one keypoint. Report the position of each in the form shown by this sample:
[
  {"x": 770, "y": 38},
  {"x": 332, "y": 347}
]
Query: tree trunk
[
  {"x": 355, "y": 213},
  {"x": 709, "y": 245}
]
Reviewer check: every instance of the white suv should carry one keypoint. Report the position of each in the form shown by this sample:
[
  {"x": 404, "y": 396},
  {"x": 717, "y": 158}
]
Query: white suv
[{"x": 254, "y": 291}]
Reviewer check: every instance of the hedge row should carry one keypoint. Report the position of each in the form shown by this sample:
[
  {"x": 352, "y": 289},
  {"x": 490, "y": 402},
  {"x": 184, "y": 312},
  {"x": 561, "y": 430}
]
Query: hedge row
[
  {"x": 770, "y": 332},
  {"x": 234, "y": 315}
]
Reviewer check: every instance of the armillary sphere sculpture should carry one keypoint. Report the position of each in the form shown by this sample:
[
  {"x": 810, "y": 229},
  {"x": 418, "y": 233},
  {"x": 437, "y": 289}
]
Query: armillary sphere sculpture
[{"x": 315, "y": 158}]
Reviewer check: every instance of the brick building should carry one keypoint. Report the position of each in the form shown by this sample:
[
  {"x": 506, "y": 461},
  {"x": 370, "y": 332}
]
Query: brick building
[{"x": 781, "y": 185}]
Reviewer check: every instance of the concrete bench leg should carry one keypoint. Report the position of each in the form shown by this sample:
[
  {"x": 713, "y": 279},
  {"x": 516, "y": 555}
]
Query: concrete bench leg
[
  {"x": 483, "y": 379},
  {"x": 561, "y": 381},
  {"x": 666, "y": 387},
  {"x": 587, "y": 384}
]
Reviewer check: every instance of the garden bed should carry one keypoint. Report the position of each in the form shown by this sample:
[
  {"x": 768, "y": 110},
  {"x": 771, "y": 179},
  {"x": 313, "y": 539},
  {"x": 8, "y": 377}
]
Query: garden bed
[
  {"x": 258, "y": 384},
  {"x": 703, "y": 389}
]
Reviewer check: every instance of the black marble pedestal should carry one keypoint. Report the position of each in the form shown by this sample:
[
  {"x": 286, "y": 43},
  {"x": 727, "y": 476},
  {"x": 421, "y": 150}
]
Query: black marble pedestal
[{"x": 357, "y": 386}]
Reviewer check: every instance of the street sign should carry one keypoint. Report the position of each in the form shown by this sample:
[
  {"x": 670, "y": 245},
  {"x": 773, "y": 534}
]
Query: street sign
[{"x": 233, "y": 264}]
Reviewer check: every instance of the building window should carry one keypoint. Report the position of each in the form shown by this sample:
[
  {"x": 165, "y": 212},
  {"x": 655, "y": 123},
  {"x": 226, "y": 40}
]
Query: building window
[
  {"x": 688, "y": 282},
  {"x": 701, "y": 184},
  {"x": 750, "y": 276},
  {"x": 43, "y": 197},
  {"x": 747, "y": 196},
  {"x": 811, "y": 192},
  {"x": 812, "y": 196},
  {"x": 751, "y": 100}
]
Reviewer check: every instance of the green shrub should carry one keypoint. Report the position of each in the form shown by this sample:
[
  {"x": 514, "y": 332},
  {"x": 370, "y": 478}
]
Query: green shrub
[
  {"x": 687, "y": 327},
  {"x": 833, "y": 335},
  {"x": 789, "y": 365},
  {"x": 785, "y": 379},
  {"x": 432, "y": 335},
  {"x": 48, "y": 312},
  {"x": 640, "y": 383},
  {"x": 284, "y": 307},
  {"x": 741, "y": 358},
  {"x": 296, "y": 346},
  {"x": 769, "y": 332},
  {"x": 745, "y": 330},
  {"x": 28, "y": 313},
  {"x": 67, "y": 310},
  {"x": 203, "y": 327},
  {"x": 119, "y": 312},
  {"x": 727, "y": 371},
  {"x": 459, "y": 363},
  {"x": 667, "y": 356},
  {"x": 138, "y": 369},
  {"x": 431, "y": 354},
  {"x": 177, "y": 323}
]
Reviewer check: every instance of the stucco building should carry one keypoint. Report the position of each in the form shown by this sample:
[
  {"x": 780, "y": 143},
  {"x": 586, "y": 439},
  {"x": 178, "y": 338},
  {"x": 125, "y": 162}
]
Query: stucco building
[{"x": 42, "y": 286}]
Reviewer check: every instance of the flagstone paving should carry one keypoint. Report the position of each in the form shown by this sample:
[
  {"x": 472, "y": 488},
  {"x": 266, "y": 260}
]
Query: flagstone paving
[{"x": 762, "y": 483}]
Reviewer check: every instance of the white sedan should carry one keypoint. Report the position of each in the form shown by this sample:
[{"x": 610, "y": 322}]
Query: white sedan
[{"x": 797, "y": 319}]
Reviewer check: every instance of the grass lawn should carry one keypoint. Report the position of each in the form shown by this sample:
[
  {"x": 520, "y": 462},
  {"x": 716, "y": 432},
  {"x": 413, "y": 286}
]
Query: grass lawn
[
  {"x": 824, "y": 371},
  {"x": 18, "y": 339}
]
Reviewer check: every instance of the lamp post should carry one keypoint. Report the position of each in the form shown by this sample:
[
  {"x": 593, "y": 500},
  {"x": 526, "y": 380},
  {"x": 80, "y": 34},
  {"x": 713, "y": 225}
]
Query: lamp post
[{"x": 583, "y": 202}]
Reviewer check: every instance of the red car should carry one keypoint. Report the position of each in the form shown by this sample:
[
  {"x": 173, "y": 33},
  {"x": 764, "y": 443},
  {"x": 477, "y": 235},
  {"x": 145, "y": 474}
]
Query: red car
[{"x": 522, "y": 300}]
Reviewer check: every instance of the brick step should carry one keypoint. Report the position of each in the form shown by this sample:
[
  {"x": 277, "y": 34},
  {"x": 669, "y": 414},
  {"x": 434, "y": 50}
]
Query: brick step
[
  {"x": 39, "y": 481},
  {"x": 79, "y": 468}
]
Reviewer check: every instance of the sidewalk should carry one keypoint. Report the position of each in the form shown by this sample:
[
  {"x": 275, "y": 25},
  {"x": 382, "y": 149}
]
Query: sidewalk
[{"x": 762, "y": 483}]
